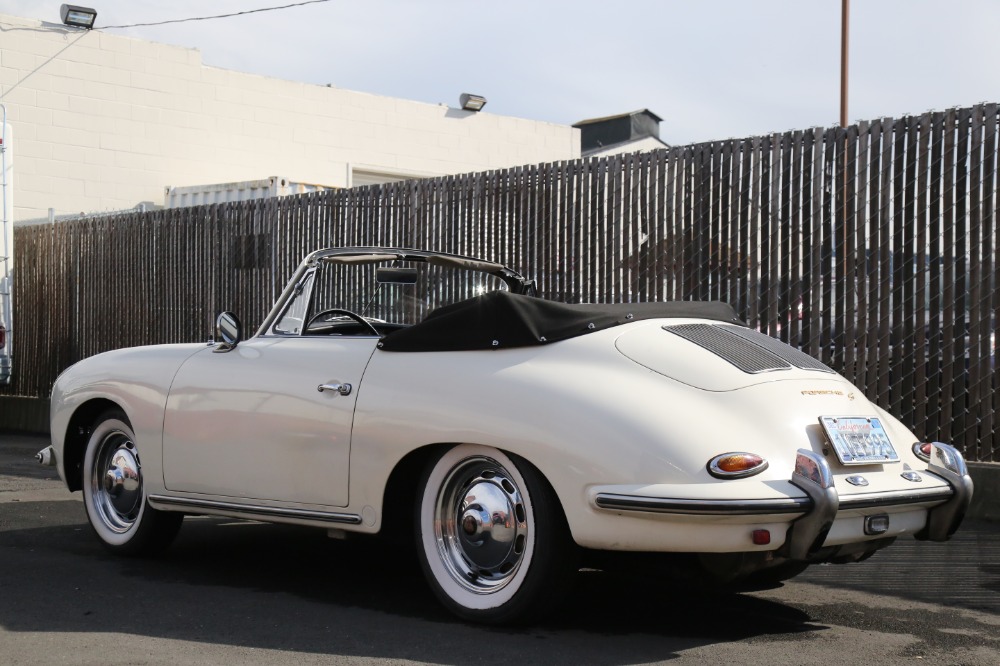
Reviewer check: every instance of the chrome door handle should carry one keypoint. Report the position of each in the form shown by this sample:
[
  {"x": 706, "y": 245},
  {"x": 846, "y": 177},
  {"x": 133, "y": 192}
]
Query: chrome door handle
[{"x": 342, "y": 389}]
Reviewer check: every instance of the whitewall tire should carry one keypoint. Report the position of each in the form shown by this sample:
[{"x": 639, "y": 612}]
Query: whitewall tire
[
  {"x": 113, "y": 492},
  {"x": 491, "y": 536}
]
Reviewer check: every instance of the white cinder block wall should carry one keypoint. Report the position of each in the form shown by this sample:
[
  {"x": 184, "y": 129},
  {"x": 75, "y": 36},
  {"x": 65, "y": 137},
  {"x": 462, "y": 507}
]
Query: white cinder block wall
[{"x": 103, "y": 122}]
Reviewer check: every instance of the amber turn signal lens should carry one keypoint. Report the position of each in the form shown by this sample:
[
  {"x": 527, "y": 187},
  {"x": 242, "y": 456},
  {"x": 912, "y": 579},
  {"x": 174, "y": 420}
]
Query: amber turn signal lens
[
  {"x": 739, "y": 462},
  {"x": 736, "y": 465}
]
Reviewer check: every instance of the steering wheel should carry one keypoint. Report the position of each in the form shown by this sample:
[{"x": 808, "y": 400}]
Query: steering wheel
[{"x": 347, "y": 313}]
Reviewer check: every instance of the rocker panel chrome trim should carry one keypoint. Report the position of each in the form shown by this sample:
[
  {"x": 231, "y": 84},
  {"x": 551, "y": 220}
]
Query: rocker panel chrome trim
[{"x": 253, "y": 511}]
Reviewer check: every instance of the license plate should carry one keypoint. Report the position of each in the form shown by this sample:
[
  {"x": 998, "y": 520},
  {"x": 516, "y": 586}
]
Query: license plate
[{"x": 859, "y": 440}]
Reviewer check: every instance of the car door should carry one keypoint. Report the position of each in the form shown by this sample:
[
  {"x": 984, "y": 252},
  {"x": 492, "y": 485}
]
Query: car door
[{"x": 250, "y": 424}]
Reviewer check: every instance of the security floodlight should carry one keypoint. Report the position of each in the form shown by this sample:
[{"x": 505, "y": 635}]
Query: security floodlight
[
  {"x": 78, "y": 17},
  {"x": 472, "y": 102}
]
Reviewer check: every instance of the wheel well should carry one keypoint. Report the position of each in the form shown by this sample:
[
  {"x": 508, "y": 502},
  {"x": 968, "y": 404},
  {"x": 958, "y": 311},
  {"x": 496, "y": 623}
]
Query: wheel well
[
  {"x": 401, "y": 491},
  {"x": 77, "y": 434}
]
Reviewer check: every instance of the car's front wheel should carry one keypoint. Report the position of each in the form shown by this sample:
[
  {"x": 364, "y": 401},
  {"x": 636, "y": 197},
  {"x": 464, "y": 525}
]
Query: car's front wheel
[
  {"x": 113, "y": 492},
  {"x": 491, "y": 536}
]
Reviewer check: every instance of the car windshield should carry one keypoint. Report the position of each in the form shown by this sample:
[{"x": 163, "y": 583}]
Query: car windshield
[{"x": 387, "y": 299}]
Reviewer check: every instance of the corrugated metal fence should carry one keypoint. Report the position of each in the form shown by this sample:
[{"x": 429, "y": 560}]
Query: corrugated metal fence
[{"x": 873, "y": 248}]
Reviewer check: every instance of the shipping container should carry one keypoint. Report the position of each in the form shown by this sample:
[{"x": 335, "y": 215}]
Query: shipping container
[{"x": 202, "y": 195}]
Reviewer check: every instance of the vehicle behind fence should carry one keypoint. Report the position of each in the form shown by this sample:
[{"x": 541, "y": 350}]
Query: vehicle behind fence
[{"x": 873, "y": 248}]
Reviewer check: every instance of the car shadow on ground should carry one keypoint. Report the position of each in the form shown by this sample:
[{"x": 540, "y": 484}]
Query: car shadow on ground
[
  {"x": 963, "y": 572},
  {"x": 287, "y": 588}
]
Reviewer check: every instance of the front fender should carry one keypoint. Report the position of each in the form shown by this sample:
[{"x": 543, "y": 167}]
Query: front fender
[{"x": 136, "y": 380}]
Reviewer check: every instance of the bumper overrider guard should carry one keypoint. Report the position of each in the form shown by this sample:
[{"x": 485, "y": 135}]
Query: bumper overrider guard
[
  {"x": 807, "y": 534},
  {"x": 813, "y": 476},
  {"x": 943, "y": 520}
]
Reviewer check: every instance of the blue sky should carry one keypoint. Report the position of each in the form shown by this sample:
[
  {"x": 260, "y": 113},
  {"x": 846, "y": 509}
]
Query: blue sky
[{"x": 713, "y": 69}]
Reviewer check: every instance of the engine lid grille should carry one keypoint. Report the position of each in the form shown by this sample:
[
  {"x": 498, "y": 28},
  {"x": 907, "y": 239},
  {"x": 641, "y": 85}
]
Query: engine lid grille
[{"x": 747, "y": 349}]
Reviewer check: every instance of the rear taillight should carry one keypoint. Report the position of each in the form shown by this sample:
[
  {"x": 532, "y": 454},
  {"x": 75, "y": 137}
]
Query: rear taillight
[
  {"x": 3, "y": 336},
  {"x": 922, "y": 450}
]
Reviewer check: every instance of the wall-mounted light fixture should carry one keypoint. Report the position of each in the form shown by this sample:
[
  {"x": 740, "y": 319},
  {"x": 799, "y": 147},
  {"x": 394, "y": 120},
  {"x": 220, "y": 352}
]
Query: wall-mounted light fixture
[
  {"x": 472, "y": 102},
  {"x": 78, "y": 17}
]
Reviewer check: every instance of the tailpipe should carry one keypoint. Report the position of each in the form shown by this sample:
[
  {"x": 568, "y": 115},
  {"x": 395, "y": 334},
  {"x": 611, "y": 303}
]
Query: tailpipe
[{"x": 46, "y": 457}]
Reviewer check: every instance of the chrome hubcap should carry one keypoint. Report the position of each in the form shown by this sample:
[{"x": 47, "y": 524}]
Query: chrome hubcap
[
  {"x": 117, "y": 482},
  {"x": 481, "y": 525}
]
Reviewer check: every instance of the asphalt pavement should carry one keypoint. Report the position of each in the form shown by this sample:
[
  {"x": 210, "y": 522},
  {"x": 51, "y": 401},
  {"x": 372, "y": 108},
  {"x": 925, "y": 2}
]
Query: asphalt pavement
[{"x": 238, "y": 592}]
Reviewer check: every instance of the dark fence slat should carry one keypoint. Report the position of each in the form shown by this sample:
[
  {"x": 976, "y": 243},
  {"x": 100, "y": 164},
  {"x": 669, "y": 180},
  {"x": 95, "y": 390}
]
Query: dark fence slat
[
  {"x": 991, "y": 174},
  {"x": 922, "y": 276}
]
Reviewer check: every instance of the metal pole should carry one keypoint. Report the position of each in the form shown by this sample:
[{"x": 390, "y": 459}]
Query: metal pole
[{"x": 845, "y": 13}]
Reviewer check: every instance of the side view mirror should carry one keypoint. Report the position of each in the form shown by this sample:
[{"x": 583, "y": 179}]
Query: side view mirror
[{"x": 229, "y": 330}]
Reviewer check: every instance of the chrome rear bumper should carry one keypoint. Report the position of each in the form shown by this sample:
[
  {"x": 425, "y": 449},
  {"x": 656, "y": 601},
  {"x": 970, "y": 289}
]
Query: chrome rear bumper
[{"x": 822, "y": 503}]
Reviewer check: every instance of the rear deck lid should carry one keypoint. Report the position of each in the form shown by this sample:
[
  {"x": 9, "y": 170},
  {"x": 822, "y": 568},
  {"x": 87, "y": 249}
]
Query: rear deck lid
[{"x": 716, "y": 356}]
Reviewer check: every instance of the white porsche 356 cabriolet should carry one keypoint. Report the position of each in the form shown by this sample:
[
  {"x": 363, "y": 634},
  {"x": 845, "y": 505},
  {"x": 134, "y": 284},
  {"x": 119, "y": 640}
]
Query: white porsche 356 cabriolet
[{"x": 423, "y": 393}]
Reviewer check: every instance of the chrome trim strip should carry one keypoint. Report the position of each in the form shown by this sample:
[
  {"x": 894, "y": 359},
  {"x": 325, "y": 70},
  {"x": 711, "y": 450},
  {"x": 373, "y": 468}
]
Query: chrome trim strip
[
  {"x": 690, "y": 507},
  {"x": 763, "y": 507},
  {"x": 872, "y": 500},
  {"x": 252, "y": 510}
]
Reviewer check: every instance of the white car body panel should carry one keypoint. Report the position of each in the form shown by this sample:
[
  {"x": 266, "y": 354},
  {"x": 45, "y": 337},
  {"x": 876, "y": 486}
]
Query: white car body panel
[
  {"x": 136, "y": 379},
  {"x": 256, "y": 424}
]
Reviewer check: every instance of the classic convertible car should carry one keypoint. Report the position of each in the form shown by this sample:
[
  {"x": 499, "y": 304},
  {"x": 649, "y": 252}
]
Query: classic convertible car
[{"x": 431, "y": 395}]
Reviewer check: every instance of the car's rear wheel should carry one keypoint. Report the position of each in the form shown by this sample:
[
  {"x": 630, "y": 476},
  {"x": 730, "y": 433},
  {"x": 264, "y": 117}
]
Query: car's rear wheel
[
  {"x": 114, "y": 495},
  {"x": 491, "y": 536}
]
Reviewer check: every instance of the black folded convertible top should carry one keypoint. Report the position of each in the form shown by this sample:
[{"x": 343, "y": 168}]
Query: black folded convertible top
[{"x": 501, "y": 320}]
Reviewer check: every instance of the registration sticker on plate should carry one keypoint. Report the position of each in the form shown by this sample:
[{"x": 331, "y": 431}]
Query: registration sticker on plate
[{"x": 859, "y": 440}]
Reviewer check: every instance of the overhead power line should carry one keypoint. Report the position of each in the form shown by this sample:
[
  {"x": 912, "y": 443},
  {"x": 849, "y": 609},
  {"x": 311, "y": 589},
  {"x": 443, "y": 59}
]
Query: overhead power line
[{"x": 209, "y": 18}]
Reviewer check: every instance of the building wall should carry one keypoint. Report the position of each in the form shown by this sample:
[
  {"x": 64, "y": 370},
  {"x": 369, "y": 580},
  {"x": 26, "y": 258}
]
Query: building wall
[{"x": 104, "y": 122}]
